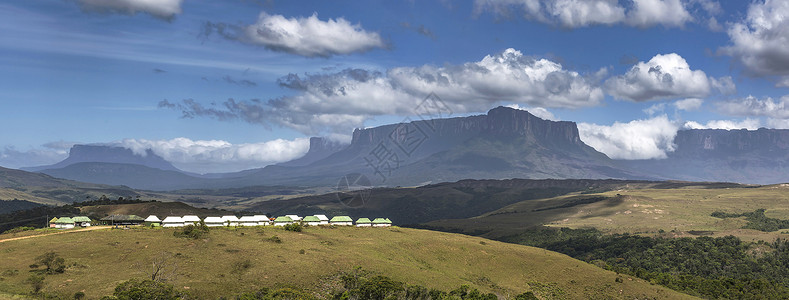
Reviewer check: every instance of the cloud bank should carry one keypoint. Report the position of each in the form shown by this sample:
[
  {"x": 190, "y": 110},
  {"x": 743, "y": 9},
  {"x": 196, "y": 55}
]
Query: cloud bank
[
  {"x": 637, "y": 139},
  {"x": 341, "y": 101},
  {"x": 210, "y": 156}
]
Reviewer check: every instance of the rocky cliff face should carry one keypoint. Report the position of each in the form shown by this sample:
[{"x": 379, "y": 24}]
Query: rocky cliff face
[
  {"x": 320, "y": 148},
  {"x": 499, "y": 122},
  {"x": 728, "y": 143}
]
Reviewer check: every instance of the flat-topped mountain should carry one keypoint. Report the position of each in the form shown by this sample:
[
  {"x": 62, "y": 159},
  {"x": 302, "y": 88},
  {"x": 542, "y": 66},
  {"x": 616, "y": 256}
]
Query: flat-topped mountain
[{"x": 109, "y": 154}]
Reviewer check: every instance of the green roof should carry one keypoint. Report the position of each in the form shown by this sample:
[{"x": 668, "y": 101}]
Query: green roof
[
  {"x": 81, "y": 219},
  {"x": 310, "y": 219},
  {"x": 65, "y": 220},
  {"x": 283, "y": 219},
  {"x": 341, "y": 219},
  {"x": 55, "y": 219},
  {"x": 381, "y": 221},
  {"x": 363, "y": 220}
]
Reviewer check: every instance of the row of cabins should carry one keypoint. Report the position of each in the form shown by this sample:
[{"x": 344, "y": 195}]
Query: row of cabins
[
  {"x": 263, "y": 220},
  {"x": 230, "y": 220}
]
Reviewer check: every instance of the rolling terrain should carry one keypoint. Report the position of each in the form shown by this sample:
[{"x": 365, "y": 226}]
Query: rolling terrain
[{"x": 231, "y": 261}]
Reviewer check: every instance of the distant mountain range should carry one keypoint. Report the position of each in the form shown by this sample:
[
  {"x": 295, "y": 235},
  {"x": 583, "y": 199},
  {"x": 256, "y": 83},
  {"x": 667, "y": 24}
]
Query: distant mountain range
[{"x": 504, "y": 143}]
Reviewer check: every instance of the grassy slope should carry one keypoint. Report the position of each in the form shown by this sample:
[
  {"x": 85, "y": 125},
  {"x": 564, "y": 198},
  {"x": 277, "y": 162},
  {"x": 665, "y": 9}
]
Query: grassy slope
[
  {"x": 104, "y": 258},
  {"x": 646, "y": 210}
]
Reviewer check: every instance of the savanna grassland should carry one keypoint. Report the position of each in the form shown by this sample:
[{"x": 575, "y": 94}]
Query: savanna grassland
[{"x": 226, "y": 262}]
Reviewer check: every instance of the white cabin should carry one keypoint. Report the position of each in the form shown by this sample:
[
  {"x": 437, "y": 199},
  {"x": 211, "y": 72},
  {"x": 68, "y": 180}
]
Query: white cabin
[
  {"x": 230, "y": 220},
  {"x": 324, "y": 219},
  {"x": 191, "y": 220},
  {"x": 262, "y": 220},
  {"x": 248, "y": 221},
  {"x": 173, "y": 221},
  {"x": 214, "y": 222},
  {"x": 295, "y": 218}
]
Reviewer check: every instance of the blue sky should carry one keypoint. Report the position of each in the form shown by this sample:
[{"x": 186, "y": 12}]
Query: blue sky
[{"x": 219, "y": 86}]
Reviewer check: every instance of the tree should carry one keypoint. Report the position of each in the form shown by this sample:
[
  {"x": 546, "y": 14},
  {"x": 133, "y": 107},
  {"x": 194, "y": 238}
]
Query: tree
[{"x": 53, "y": 262}]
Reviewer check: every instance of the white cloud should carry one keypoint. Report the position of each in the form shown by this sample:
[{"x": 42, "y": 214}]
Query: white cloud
[
  {"x": 310, "y": 36},
  {"x": 751, "y": 106},
  {"x": 637, "y": 139},
  {"x": 662, "y": 77},
  {"x": 761, "y": 42},
  {"x": 669, "y": 13},
  {"x": 724, "y": 85},
  {"x": 164, "y": 9},
  {"x": 750, "y": 124},
  {"x": 339, "y": 102},
  {"x": 582, "y": 13},
  {"x": 208, "y": 156},
  {"x": 688, "y": 104},
  {"x": 778, "y": 123}
]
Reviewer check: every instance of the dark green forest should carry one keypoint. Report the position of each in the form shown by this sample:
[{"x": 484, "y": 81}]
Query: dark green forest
[{"x": 723, "y": 267}]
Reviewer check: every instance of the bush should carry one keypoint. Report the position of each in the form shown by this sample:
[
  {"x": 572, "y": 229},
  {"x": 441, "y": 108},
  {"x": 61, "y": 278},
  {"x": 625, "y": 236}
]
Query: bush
[
  {"x": 146, "y": 289},
  {"x": 36, "y": 281},
  {"x": 19, "y": 229},
  {"x": 293, "y": 227},
  {"x": 275, "y": 239},
  {"x": 193, "y": 231},
  {"x": 53, "y": 262}
]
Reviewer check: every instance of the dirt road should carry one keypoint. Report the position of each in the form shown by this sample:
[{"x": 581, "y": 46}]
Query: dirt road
[{"x": 54, "y": 233}]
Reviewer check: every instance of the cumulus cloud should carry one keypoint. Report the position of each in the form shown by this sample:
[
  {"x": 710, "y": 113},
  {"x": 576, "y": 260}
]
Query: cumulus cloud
[
  {"x": 751, "y": 106},
  {"x": 582, "y": 13},
  {"x": 637, "y": 139},
  {"x": 665, "y": 76},
  {"x": 669, "y": 13},
  {"x": 207, "y": 156},
  {"x": 750, "y": 124},
  {"x": 308, "y": 36},
  {"x": 724, "y": 85},
  {"x": 760, "y": 42},
  {"x": 338, "y": 102},
  {"x": 163, "y": 9}
]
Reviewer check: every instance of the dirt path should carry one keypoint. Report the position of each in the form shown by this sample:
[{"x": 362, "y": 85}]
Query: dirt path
[{"x": 54, "y": 233}]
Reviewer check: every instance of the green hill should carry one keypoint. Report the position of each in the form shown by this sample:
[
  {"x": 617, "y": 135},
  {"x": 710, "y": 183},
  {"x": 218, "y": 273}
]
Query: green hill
[{"x": 231, "y": 261}]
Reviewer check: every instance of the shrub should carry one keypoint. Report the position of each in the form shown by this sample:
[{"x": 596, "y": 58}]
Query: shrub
[
  {"x": 193, "y": 231},
  {"x": 19, "y": 229},
  {"x": 36, "y": 281},
  {"x": 275, "y": 239},
  {"x": 146, "y": 289},
  {"x": 293, "y": 227}
]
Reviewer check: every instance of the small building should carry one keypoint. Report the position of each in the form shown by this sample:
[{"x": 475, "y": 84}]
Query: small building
[
  {"x": 190, "y": 220},
  {"x": 214, "y": 222},
  {"x": 152, "y": 221},
  {"x": 81, "y": 221},
  {"x": 248, "y": 221},
  {"x": 311, "y": 221},
  {"x": 52, "y": 223},
  {"x": 381, "y": 222},
  {"x": 64, "y": 223},
  {"x": 341, "y": 221},
  {"x": 124, "y": 220},
  {"x": 364, "y": 222},
  {"x": 263, "y": 220},
  {"x": 231, "y": 220},
  {"x": 324, "y": 219},
  {"x": 173, "y": 221},
  {"x": 282, "y": 221},
  {"x": 295, "y": 218}
]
